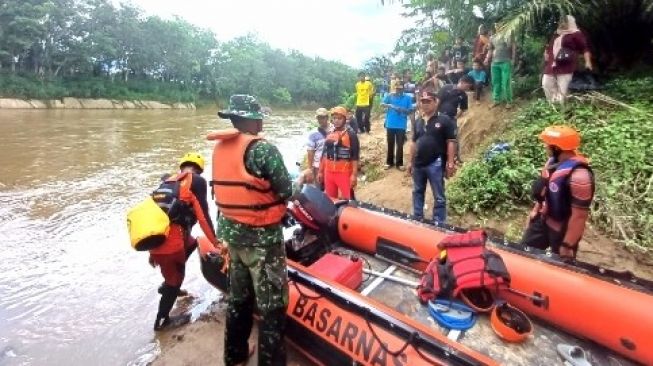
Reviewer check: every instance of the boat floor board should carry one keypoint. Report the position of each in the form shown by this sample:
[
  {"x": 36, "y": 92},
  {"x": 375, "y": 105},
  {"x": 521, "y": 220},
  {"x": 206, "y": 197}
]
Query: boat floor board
[{"x": 540, "y": 349}]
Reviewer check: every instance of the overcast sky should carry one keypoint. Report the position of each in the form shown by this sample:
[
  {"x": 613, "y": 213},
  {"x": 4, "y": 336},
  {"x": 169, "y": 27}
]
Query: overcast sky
[{"x": 350, "y": 31}]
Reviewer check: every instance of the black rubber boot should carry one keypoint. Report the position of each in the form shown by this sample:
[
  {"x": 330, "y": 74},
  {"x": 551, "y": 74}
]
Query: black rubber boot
[{"x": 168, "y": 298}]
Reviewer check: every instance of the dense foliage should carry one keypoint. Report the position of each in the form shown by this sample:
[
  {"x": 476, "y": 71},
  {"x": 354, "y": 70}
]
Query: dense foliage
[
  {"x": 617, "y": 137},
  {"x": 93, "y": 48},
  {"x": 619, "y": 31}
]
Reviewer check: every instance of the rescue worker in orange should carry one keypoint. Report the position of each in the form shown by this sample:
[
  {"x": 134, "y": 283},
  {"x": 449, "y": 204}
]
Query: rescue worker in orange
[
  {"x": 563, "y": 195},
  {"x": 339, "y": 165},
  {"x": 251, "y": 186},
  {"x": 183, "y": 197}
]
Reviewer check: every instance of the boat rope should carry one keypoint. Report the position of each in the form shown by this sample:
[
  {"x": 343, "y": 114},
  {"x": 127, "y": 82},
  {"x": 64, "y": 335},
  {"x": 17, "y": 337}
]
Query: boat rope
[
  {"x": 302, "y": 294},
  {"x": 409, "y": 342},
  {"x": 415, "y": 337},
  {"x": 621, "y": 278},
  {"x": 425, "y": 357}
]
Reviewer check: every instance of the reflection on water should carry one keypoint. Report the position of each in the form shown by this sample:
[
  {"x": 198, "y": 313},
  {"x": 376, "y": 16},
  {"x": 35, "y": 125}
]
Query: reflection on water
[{"x": 72, "y": 291}]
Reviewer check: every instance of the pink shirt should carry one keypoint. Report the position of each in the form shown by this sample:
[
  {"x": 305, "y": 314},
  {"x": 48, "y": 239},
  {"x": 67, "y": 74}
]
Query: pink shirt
[{"x": 576, "y": 43}]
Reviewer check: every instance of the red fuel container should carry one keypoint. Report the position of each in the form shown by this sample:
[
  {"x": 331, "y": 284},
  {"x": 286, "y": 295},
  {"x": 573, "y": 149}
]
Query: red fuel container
[{"x": 345, "y": 271}]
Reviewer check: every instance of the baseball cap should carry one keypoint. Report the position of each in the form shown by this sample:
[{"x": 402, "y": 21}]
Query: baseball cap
[
  {"x": 321, "y": 112},
  {"x": 428, "y": 94}
]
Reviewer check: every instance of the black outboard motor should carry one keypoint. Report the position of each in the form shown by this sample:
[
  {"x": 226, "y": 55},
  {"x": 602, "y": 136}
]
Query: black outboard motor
[{"x": 316, "y": 215}]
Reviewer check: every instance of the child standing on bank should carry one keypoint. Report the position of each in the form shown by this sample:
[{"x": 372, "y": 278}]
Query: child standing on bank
[{"x": 480, "y": 79}]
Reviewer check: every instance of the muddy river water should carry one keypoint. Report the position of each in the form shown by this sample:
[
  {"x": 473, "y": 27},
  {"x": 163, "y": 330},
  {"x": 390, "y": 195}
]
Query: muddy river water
[{"x": 72, "y": 291}]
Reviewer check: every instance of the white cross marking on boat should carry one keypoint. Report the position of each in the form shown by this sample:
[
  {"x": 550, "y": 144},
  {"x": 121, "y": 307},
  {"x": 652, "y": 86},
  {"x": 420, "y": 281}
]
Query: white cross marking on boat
[
  {"x": 366, "y": 291},
  {"x": 454, "y": 334},
  {"x": 403, "y": 281}
]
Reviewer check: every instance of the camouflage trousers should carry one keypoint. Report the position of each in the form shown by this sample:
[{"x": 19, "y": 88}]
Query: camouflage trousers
[{"x": 257, "y": 277}]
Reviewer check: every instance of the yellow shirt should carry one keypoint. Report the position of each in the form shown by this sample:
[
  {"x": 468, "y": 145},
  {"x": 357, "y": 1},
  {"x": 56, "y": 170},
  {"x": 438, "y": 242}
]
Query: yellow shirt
[{"x": 364, "y": 90}]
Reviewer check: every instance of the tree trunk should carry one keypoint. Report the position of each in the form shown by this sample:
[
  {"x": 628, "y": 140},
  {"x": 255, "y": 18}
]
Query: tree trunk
[{"x": 56, "y": 72}]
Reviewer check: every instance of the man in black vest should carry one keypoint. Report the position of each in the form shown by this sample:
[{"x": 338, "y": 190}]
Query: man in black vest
[{"x": 432, "y": 154}]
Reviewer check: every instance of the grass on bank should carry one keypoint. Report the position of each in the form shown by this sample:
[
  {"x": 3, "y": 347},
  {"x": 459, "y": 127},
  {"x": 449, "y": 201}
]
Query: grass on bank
[
  {"x": 617, "y": 131},
  {"x": 28, "y": 86}
]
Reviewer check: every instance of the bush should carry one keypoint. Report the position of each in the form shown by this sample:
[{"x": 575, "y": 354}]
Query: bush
[
  {"x": 29, "y": 86},
  {"x": 617, "y": 138}
]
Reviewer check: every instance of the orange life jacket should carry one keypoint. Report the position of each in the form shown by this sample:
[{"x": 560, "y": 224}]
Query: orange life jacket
[
  {"x": 337, "y": 152},
  {"x": 552, "y": 187},
  {"x": 239, "y": 195}
]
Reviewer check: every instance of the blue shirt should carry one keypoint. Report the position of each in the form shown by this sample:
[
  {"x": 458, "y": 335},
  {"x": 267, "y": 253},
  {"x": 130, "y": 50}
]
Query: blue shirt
[
  {"x": 479, "y": 76},
  {"x": 393, "y": 118}
]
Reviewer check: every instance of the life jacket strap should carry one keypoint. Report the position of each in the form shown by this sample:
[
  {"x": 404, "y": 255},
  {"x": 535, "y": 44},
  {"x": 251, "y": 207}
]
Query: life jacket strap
[
  {"x": 257, "y": 207},
  {"x": 238, "y": 184}
]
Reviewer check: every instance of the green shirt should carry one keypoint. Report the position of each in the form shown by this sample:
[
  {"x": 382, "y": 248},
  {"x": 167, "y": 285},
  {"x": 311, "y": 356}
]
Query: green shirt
[{"x": 262, "y": 160}]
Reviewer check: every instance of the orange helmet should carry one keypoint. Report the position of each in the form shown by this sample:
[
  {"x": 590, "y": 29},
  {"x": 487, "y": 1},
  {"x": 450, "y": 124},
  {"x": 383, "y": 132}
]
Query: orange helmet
[
  {"x": 564, "y": 137},
  {"x": 510, "y": 323},
  {"x": 339, "y": 110}
]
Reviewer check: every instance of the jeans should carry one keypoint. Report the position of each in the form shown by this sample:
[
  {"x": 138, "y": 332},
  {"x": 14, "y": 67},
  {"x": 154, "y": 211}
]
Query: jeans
[
  {"x": 363, "y": 118},
  {"x": 396, "y": 138},
  {"x": 434, "y": 174}
]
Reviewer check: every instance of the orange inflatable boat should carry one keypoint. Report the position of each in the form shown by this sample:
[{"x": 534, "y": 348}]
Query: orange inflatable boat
[{"x": 336, "y": 317}]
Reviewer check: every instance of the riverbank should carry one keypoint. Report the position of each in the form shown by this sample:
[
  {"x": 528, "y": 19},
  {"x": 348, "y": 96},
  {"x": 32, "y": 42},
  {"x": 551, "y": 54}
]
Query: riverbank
[
  {"x": 86, "y": 103},
  {"x": 478, "y": 128},
  {"x": 202, "y": 342}
]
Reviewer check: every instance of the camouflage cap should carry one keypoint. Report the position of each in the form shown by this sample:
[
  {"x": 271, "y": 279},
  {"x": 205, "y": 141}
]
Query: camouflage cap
[{"x": 243, "y": 106}]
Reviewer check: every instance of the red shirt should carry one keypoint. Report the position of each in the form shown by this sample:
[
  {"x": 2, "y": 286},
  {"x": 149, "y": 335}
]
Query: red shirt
[{"x": 576, "y": 43}]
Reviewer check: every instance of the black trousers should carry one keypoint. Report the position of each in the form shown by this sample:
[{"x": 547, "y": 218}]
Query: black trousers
[
  {"x": 396, "y": 138},
  {"x": 363, "y": 118},
  {"x": 539, "y": 235},
  {"x": 478, "y": 90}
]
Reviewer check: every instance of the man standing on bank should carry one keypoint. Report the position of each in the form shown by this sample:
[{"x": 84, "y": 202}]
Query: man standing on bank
[
  {"x": 452, "y": 101},
  {"x": 399, "y": 106},
  {"x": 251, "y": 186},
  {"x": 364, "y": 93},
  {"x": 563, "y": 195},
  {"x": 501, "y": 57},
  {"x": 432, "y": 155}
]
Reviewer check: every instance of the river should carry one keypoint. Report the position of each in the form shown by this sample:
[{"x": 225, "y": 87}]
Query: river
[{"x": 72, "y": 290}]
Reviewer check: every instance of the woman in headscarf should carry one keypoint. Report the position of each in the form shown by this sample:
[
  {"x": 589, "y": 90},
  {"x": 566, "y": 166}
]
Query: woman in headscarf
[{"x": 561, "y": 57}]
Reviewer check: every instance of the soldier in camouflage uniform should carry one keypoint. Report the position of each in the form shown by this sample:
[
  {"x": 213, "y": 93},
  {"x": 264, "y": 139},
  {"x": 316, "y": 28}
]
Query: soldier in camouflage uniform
[{"x": 257, "y": 255}]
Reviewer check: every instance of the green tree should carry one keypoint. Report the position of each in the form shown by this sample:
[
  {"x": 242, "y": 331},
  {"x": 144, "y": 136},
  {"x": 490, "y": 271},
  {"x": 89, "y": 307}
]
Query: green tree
[
  {"x": 620, "y": 31},
  {"x": 96, "y": 48},
  {"x": 20, "y": 25}
]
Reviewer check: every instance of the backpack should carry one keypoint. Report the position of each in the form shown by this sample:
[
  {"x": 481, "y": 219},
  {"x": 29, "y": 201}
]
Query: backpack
[
  {"x": 464, "y": 263},
  {"x": 148, "y": 222},
  {"x": 167, "y": 197}
]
